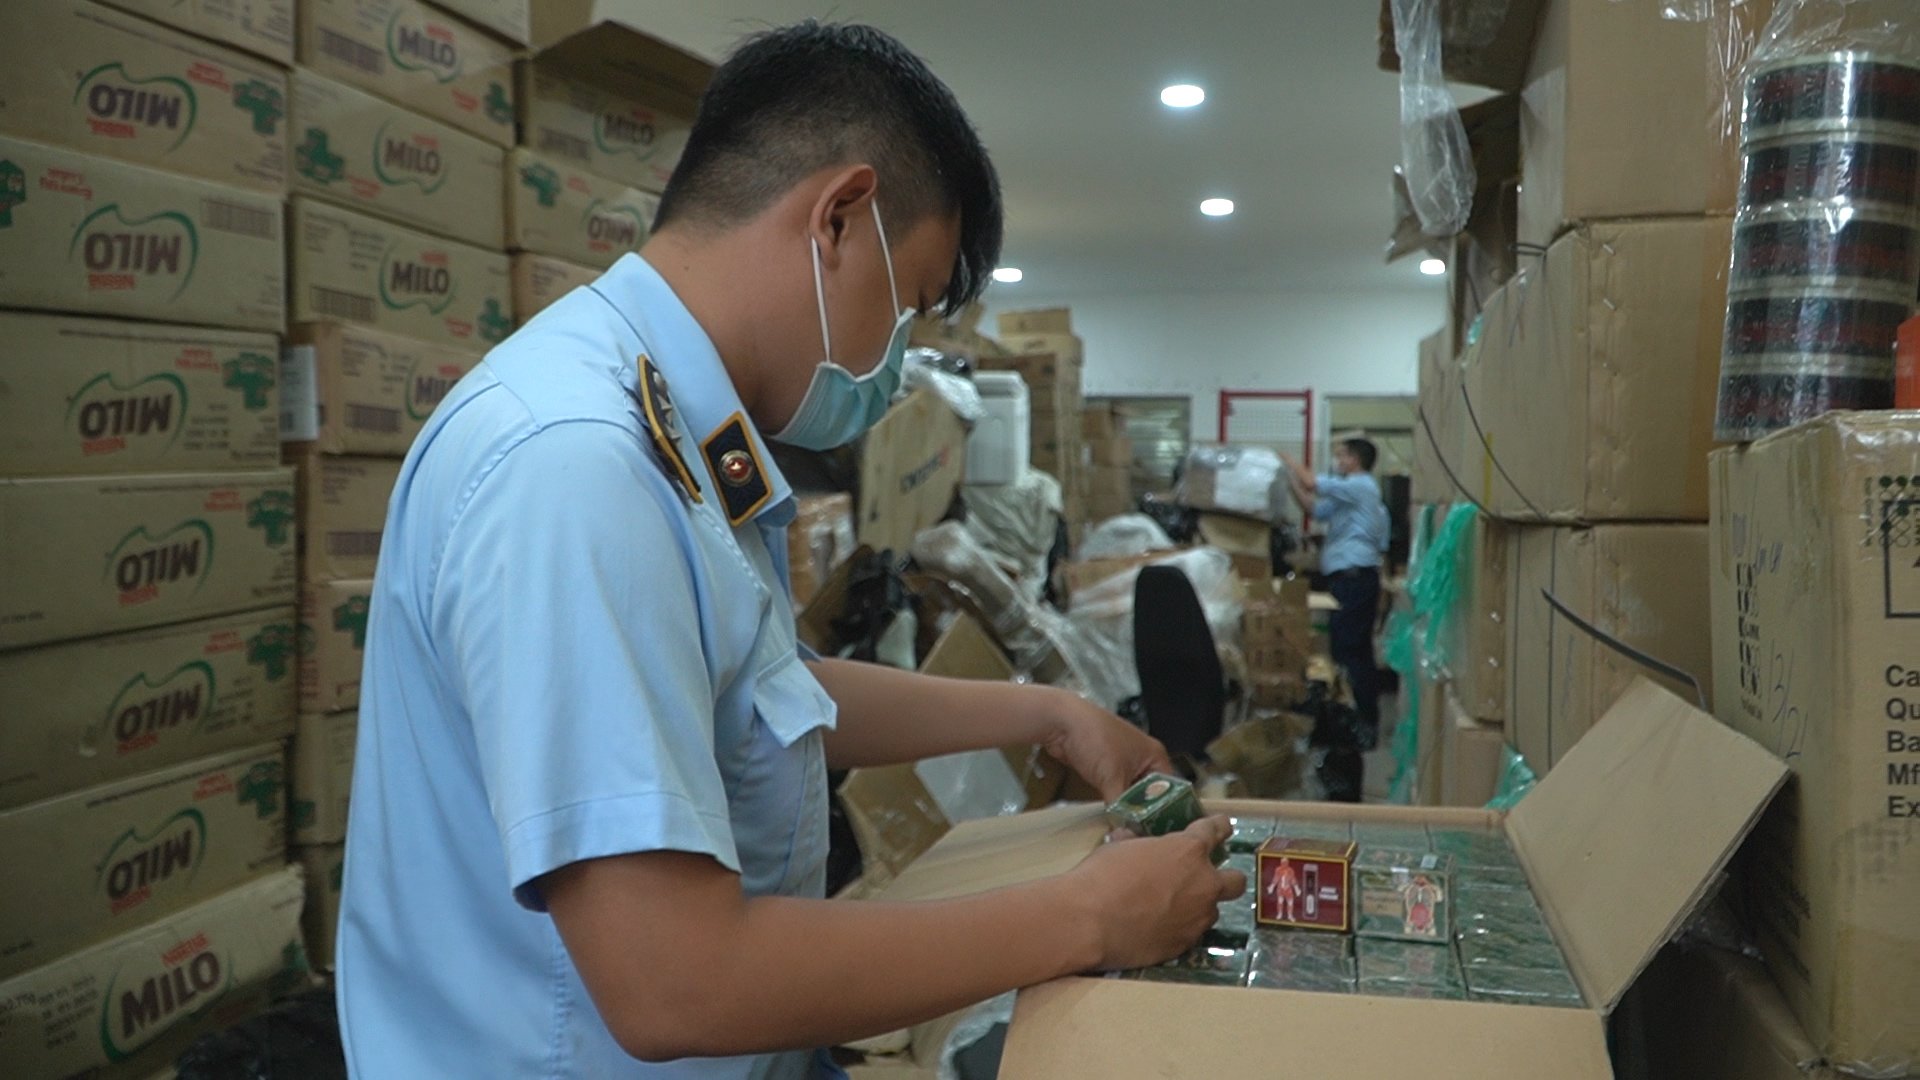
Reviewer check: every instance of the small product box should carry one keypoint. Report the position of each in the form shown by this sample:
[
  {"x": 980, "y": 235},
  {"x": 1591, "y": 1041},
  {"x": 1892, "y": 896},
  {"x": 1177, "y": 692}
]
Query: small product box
[
  {"x": 1305, "y": 884},
  {"x": 1403, "y": 894},
  {"x": 1384, "y": 962},
  {"x": 1289, "y": 960},
  {"x": 1158, "y": 804},
  {"x": 1249, "y": 833},
  {"x": 1206, "y": 964}
]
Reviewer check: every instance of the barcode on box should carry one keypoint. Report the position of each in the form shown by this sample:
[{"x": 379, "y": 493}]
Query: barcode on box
[
  {"x": 373, "y": 418},
  {"x": 351, "y": 52},
  {"x": 242, "y": 220},
  {"x": 565, "y": 145},
  {"x": 342, "y": 305},
  {"x": 353, "y": 545}
]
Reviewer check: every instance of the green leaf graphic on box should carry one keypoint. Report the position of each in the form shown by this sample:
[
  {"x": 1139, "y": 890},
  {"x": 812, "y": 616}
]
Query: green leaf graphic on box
[
  {"x": 272, "y": 513},
  {"x": 352, "y": 616},
  {"x": 261, "y": 787},
  {"x": 135, "y": 844},
  {"x": 543, "y": 180},
  {"x": 316, "y": 161},
  {"x": 303, "y": 812},
  {"x": 416, "y": 48},
  {"x": 264, "y": 102},
  {"x": 151, "y": 412},
  {"x": 499, "y": 109},
  {"x": 494, "y": 324},
  {"x": 156, "y": 251},
  {"x": 293, "y": 970},
  {"x": 191, "y": 685},
  {"x": 254, "y": 375},
  {"x": 145, "y": 558},
  {"x": 273, "y": 649},
  {"x": 159, "y": 108},
  {"x": 13, "y": 191}
]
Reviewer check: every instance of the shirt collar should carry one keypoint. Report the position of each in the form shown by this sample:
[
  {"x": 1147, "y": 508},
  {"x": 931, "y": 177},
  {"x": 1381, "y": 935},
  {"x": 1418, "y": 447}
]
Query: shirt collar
[{"x": 684, "y": 354}]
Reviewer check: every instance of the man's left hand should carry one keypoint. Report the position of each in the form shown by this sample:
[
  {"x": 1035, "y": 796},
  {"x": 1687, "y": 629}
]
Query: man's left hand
[{"x": 1106, "y": 751}]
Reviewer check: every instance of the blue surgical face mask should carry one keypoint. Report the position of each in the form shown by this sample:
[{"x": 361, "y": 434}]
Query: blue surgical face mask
[{"x": 839, "y": 405}]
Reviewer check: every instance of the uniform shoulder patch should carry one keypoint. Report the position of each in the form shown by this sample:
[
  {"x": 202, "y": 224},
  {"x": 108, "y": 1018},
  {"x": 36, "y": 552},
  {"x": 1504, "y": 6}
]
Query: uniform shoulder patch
[
  {"x": 657, "y": 413},
  {"x": 739, "y": 475}
]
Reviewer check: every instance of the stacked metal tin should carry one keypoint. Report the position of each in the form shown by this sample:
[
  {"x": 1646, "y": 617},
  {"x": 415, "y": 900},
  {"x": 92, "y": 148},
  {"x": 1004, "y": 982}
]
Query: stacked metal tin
[{"x": 1826, "y": 247}]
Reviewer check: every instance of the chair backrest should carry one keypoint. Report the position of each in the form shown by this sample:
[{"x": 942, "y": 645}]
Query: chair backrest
[{"x": 1182, "y": 685}]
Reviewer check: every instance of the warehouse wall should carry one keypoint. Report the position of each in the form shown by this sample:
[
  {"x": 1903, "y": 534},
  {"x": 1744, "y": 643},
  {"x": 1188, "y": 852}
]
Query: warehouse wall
[{"x": 1330, "y": 343}]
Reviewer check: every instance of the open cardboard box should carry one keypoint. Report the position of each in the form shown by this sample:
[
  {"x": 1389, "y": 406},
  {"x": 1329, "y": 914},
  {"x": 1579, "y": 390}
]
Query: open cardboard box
[{"x": 1621, "y": 843}]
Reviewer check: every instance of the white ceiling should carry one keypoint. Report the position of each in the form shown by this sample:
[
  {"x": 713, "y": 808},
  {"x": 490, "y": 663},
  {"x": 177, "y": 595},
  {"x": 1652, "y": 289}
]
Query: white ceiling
[{"x": 1103, "y": 184}]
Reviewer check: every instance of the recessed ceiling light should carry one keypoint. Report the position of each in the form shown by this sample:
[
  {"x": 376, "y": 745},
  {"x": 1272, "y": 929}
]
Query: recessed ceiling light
[
  {"x": 1008, "y": 275},
  {"x": 1216, "y": 207},
  {"x": 1433, "y": 267},
  {"x": 1182, "y": 96}
]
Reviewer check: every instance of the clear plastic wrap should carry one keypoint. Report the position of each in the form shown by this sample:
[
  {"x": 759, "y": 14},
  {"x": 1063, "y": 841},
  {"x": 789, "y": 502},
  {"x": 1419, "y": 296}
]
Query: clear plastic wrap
[
  {"x": 1249, "y": 833},
  {"x": 1474, "y": 849},
  {"x": 1124, "y": 537},
  {"x": 1406, "y": 962},
  {"x": 1236, "y": 479},
  {"x": 1387, "y": 834},
  {"x": 1523, "y": 986},
  {"x": 1017, "y": 523},
  {"x": 1434, "y": 155},
  {"x": 1102, "y": 613},
  {"x": 934, "y": 370},
  {"x": 979, "y": 1021},
  {"x": 1407, "y": 895}
]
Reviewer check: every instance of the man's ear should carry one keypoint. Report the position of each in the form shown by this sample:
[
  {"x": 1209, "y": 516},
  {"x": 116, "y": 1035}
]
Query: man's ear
[{"x": 845, "y": 198}]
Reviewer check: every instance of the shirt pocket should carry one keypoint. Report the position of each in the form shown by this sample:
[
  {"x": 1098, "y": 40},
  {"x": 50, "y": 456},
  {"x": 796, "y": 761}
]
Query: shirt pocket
[{"x": 780, "y": 805}]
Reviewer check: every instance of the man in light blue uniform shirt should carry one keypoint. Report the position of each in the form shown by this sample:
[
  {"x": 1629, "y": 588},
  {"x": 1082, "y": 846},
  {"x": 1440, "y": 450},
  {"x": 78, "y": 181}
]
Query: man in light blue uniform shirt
[
  {"x": 1349, "y": 501},
  {"x": 589, "y": 809}
]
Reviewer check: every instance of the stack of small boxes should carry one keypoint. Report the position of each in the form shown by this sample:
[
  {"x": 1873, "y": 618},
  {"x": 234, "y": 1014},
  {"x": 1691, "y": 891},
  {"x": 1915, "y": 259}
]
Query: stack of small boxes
[
  {"x": 1109, "y": 462},
  {"x": 147, "y": 631},
  {"x": 1042, "y": 348}
]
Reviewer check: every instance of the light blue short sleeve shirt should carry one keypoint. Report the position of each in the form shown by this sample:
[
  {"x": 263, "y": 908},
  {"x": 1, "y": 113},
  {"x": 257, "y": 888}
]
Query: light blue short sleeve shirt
[
  {"x": 569, "y": 656},
  {"x": 1356, "y": 517}
]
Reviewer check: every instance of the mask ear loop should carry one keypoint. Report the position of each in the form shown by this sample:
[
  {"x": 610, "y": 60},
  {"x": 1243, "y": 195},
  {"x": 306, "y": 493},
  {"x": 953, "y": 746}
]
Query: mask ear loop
[
  {"x": 886, "y": 253},
  {"x": 820, "y": 298}
]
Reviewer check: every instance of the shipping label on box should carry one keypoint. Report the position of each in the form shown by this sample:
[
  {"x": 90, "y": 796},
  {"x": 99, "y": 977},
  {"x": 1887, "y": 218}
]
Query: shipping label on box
[
  {"x": 354, "y": 148},
  {"x": 321, "y": 767},
  {"x": 416, "y": 56},
  {"x": 619, "y": 138},
  {"x": 133, "y": 1002},
  {"x": 539, "y": 280},
  {"x": 103, "y": 396},
  {"x": 109, "y": 858},
  {"x": 511, "y": 19},
  {"x": 354, "y": 390},
  {"x": 93, "y": 236},
  {"x": 343, "y": 510},
  {"x": 359, "y": 269},
  {"x": 94, "y": 711},
  {"x": 333, "y": 638},
  {"x": 80, "y": 76},
  {"x": 1816, "y": 649},
  {"x": 261, "y": 27},
  {"x": 98, "y": 555},
  {"x": 325, "y": 865},
  {"x": 558, "y": 209}
]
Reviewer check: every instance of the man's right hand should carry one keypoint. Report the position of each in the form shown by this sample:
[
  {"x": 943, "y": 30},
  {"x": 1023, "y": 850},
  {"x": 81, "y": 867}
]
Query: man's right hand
[{"x": 1152, "y": 898}]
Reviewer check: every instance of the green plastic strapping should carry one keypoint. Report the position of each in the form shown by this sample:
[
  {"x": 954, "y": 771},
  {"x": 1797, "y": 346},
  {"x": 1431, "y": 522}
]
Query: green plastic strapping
[
  {"x": 1516, "y": 779},
  {"x": 1416, "y": 636}
]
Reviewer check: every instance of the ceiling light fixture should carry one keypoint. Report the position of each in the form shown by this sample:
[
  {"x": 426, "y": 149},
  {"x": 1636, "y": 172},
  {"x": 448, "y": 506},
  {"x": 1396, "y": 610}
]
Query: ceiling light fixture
[
  {"x": 1216, "y": 207},
  {"x": 1008, "y": 275},
  {"x": 1433, "y": 267},
  {"x": 1182, "y": 96}
]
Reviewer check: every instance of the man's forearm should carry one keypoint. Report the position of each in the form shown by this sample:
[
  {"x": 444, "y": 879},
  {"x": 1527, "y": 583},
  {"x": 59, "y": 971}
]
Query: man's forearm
[{"x": 888, "y": 716}]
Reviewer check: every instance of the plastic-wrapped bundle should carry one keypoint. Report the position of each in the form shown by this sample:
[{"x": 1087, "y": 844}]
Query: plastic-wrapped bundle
[
  {"x": 1300, "y": 960},
  {"x": 1827, "y": 241},
  {"x": 1209, "y": 965},
  {"x": 1473, "y": 850},
  {"x": 1523, "y": 986},
  {"x": 1384, "y": 961},
  {"x": 1248, "y": 834}
]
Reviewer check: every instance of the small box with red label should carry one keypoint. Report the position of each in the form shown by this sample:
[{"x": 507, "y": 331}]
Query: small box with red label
[{"x": 1305, "y": 884}]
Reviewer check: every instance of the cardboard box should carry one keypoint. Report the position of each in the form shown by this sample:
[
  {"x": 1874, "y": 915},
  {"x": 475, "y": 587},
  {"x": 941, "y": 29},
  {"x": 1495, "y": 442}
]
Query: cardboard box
[
  {"x": 1579, "y": 834},
  {"x": 95, "y": 555},
  {"x": 96, "y": 711},
  {"x": 1036, "y": 321},
  {"x": 333, "y": 639},
  {"x": 354, "y": 390},
  {"x": 595, "y": 126},
  {"x": 511, "y": 19},
  {"x": 261, "y": 27},
  {"x": 1474, "y": 637},
  {"x": 1815, "y": 646},
  {"x": 110, "y": 858},
  {"x": 1592, "y": 388},
  {"x": 320, "y": 769},
  {"x": 911, "y": 465},
  {"x": 1473, "y": 756},
  {"x": 1438, "y": 418},
  {"x": 559, "y": 209},
  {"x": 362, "y": 151},
  {"x": 132, "y": 1003},
  {"x": 343, "y": 510},
  {"x": 1115, "y": 451},
  {"x": 93, "y": 236},
  {"x": 819, "y": 540},
  {"x": 1706, "y": 1014},
  {"x": 82, "y": 77},
  {"x": 1626, "y": 113},
  {"x": 538, "y": 281},
  {"x": 413, "y": 55},
  {"x": 1100, "y": 422},
  {"x": 1644, "y": 586},
  {"x": 354, "y": 268},
  {"x": 325, "y": 866},
  {"x": 111, "y": 396}
]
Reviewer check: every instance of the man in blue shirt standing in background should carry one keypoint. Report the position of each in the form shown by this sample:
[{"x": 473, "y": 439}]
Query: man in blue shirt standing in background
[{"x": 1349, "y": 502}]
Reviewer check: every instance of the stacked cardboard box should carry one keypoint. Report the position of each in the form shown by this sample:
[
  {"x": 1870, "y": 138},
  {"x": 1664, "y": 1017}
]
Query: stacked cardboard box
[
  {"x": 147, "y": 630},
  {"x": 1042, "y": 348},
  {"x": 1109, "y": 454},
  {"x": 1277, "y": 636}
]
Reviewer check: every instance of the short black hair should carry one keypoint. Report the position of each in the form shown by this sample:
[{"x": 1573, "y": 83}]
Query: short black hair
[
  {"x": 793, "y": 101},
  {"x": 1363, "y": 451}
]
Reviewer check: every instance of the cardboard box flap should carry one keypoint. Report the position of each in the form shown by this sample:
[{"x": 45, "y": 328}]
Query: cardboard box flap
[
  {"x": 619, "y": 58},
  {"x": 995, "y": 852},
  {"x": 1622, "y": 839}
]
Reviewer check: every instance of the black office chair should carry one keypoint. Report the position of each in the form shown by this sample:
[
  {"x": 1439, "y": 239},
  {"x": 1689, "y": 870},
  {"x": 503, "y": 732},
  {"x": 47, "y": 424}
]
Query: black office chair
[{"x": 1182, "y": 685}]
